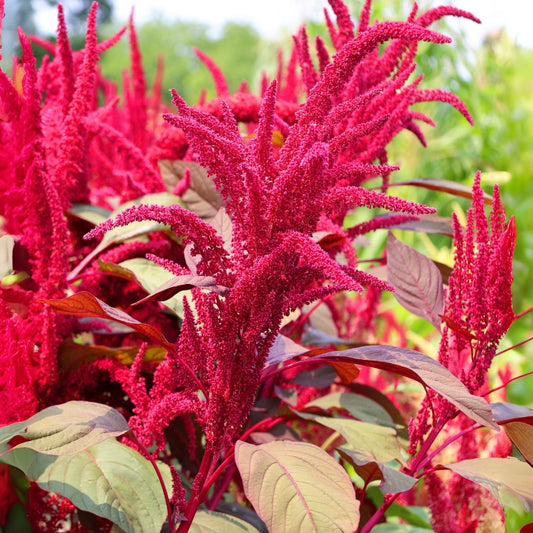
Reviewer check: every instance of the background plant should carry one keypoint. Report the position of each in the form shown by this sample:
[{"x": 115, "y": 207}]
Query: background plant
[{"x": 241, "y": 203}]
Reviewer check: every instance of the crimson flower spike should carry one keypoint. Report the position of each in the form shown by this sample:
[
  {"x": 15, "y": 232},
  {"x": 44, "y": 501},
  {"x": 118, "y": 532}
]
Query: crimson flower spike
[
  {"x": 478, "y": 310},
  {"x": 67, "y": 62},
  {"x": 137, "y": 112},
  {"x": 73, "y": 163}
]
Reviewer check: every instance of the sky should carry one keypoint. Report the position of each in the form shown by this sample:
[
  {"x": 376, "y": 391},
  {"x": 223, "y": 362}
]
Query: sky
[{"x": 271, "y": 17}]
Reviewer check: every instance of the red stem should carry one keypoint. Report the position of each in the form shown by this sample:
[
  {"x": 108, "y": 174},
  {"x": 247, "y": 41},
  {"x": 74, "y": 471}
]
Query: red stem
[
  {"x": 206, "y": 466},
  {"x": 507, "y": 383}
]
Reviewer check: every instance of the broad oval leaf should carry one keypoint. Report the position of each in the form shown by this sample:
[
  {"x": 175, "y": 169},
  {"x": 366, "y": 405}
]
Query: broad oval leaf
[
  {"x": 358, "y": 406},
  {"x": 425, "y": 370},
  {"x": 416, "y": 280},
  {"x": 90, "y": 213},
  {"x": 508, "y": 479},
  {"x": 380, "y": 443},
  {"x": 213, "y": 522},
  {"x": 150, "y": 276},
  {"x": 392, "y": 480},
  {"x": 202, "y": 196},
  {"x": 68, "y": 428},
  {"x": 296, "y": 487},
  {"x": 505, "y": 412},
  {"x": 84, "y": 304},
  {"x": 517, "y": 421},
  {"x": 109, "y": 480}
]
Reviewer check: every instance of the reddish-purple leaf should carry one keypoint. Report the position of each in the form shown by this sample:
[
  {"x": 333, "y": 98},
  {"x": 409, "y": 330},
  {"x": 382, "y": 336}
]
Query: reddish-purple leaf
[
  {"x": 202, "y": 196},
  {"x": 425, "y": 370},
  {"x": 429, "y": 223},
  {"x": 416, "y": 280},
  {"x": 505, "y": 412},
  {"x": 183, "y": 283},
  {"x": 285, "y": 349},
  {"x": 436, "y": 184},
  {"x": 84, "y": 304},
  {"x": 517, "y": 421}
]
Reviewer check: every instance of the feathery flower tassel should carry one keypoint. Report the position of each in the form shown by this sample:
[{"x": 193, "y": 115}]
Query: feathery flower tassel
[
  {"x": 73, "y": 163},
  {"x": 137, "y": 111},
  {"x": 478, "y": 310}
]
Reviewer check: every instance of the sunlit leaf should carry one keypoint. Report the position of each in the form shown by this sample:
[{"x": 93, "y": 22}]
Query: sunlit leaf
[
  {"x": 84, "y": 304},
  {"x": 416, "y": 280},
  {"x": 213, "y": 522},
  {"x": 508, "y": 479},
  {"x": 358, "y": 406},
  {"x": 150, "y": 276},
  {"x": 66, "y": 429},
  {"x": 392, "y": 480},
  {"x": 425, "y": 370},
  {"x": 90, "y": 213},
  {"x": 297, "y": 487},
  {"x": 109, "y": 480},
  {"x": 380, "y": 443}
]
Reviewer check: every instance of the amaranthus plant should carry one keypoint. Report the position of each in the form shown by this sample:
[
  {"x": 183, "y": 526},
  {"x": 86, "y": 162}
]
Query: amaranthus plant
[{"x": 191, "y": 342}]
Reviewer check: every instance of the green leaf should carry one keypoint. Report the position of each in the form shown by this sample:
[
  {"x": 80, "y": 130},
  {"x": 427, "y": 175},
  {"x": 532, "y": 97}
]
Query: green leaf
[
  {"x": 90, "y": 213},
  {"x": 17, "y": 521},
  {"x": 296, "y": 487},
  {"x": 392, "y": 480},
  {"x": 150, "y": 276},
  {"x": 66, "y": 429},
  {"x": 398, "y": 528},
  {"x": 213, "y": 522},
  {"x": 422, "y": 368},
  {"x": 109, "y": 480},
  {"x": 508, "y": 479},
  {"x": 358, "y": 406},
  {"x": 379, "y": 443}
]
